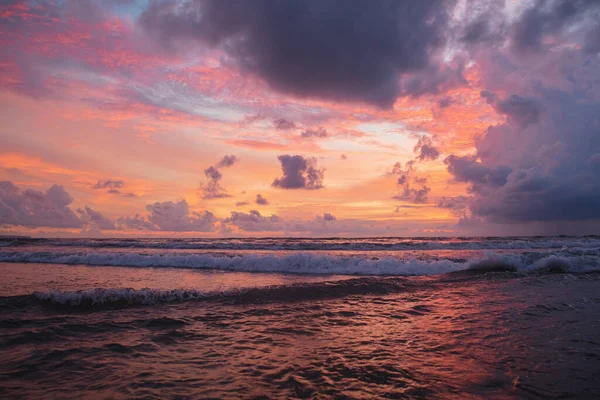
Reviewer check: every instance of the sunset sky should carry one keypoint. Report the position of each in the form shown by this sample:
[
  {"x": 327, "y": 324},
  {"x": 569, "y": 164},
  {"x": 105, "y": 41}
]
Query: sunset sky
[{"x": 302, "y": 118}]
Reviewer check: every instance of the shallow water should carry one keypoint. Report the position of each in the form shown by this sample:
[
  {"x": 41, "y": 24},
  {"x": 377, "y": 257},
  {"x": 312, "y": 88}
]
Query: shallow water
[{"x": 487, "y": 330}]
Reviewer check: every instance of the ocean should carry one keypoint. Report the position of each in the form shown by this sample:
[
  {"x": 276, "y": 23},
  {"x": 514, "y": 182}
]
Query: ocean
[{"x": 275, "y": 318}]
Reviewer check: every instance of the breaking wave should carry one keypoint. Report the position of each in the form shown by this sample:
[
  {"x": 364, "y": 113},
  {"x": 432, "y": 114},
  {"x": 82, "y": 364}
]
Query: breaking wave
[
  {"x": 302, "y": 291},
  {"x": 572, "y": 260}
]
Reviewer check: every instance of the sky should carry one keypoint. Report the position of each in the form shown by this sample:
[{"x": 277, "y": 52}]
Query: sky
[{"x": 216, "y": 118}]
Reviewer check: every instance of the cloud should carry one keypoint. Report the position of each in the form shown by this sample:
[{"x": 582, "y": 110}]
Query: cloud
[
  {"x": 426, "y": 150},
  {"x": 172, "y": 217},
  {"x": 109, "y": 184},
  {"x": 260, "y": 200},
  {"x": 113, "y": 187},
  {"x": 257, "y": 144},
  {"x": 548, "y": 18},
  {"x": 344, "y": 50},
  {"x": 538, "y": 171},
  {"x": 137, "y": 222},
  {"x": 326, "y": 217},
  {"x": 212, "y": 189},
  {"x": 283, "y": 124},
  {"x": 468, "y": 169},
  {"x": 343, "y": 156},
  {"x": 33, "y": 208},
  {"x": 316, "y": 133},
  {"x": 299, "y": 173},
  {"x": 407, "y": 177},
  {"x": 523, "y": 110},
  {"x": 457, "y": 204},
  {"x": 94, "y": 220},
  {"x": 227, "y": 161},
  {"x": 253, "y": 221},
  {"x": 418, "y": 196},
  {"x": 241, "y": 203}
]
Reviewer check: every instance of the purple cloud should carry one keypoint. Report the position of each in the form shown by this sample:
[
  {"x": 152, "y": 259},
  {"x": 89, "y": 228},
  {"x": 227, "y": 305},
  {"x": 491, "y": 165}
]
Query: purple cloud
[
  {"x": 426, "y": 149},
  {"x": 299, "y": 173},
  {"x": 283, "y": 124},
  {"x": 109, "y": 184},
  {"x": 94, "y": 219},
  {"x": 227, "y": 161},
  {"x": 253, "y": 221},
  {"x": 374, "y": 43},
  {"x": 260, "y": 200},
  {"x": 314, "y": 133},
  {"x": 33, "y": 208}
]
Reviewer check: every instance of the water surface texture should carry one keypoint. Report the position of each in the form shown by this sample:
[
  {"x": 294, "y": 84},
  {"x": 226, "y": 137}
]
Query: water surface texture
[{"x": 285, "y": 318}]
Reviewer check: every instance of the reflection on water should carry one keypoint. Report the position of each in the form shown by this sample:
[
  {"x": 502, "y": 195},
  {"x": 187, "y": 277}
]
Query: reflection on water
[
  {"x": 22, "y": 279},
  {"x": 491, "y": 336}
]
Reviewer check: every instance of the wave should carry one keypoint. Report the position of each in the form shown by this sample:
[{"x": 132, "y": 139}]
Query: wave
[
  {"x": 334, "y": 244},
  {"x": 300, "y": 263},
  {"x": 492, "y": 267},
  {"x": 574, "y": 260},
  {"x": 296, "y": 292}
]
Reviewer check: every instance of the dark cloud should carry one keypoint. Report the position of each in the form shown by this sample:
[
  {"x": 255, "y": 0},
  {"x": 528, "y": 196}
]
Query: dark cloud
[
  {"x": 468, "y": 169},
  {"x": 241, "y": 203},
  {"x": 523, "y": 110},
  {"x": 283, "y": 124},
  {"x": 592, "y": 40},
  {"x": 343, "y": 156},
  {"x": 33, "y": 208},
  {"x": 489, "y": 96},
  {"x": 426, "y": 149},
  {"x": 476, "y": 31},
  {"x": 433, "y": 80},
  {"x": 260, "y": 200},
  {"x": 346, "y": 50},
  {"x": 317, "y": 133},
  {"x": 227, "y": 161},
  {"x": 547, "y": 18},
  {"x": 538, "y": 172},
  {"x": 299, "y": 173},
  {"x": 538, "y": 166},
  {"x": 113, "y": 191},
  {"x": 109, "y": 184}
]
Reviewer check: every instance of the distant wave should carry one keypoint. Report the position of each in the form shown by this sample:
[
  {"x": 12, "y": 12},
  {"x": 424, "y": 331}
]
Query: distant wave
[
  {"x": 299, "y": 244},
  {"x": 575, "y": 260}
]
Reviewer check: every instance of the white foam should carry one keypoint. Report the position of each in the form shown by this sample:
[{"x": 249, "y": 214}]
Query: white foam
[
  {"x": 120, "y": 296},
  {"x": 575, "y": 260},
  {"x": 301, "y": 263},
  {"x": 554, "y": 264}
]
